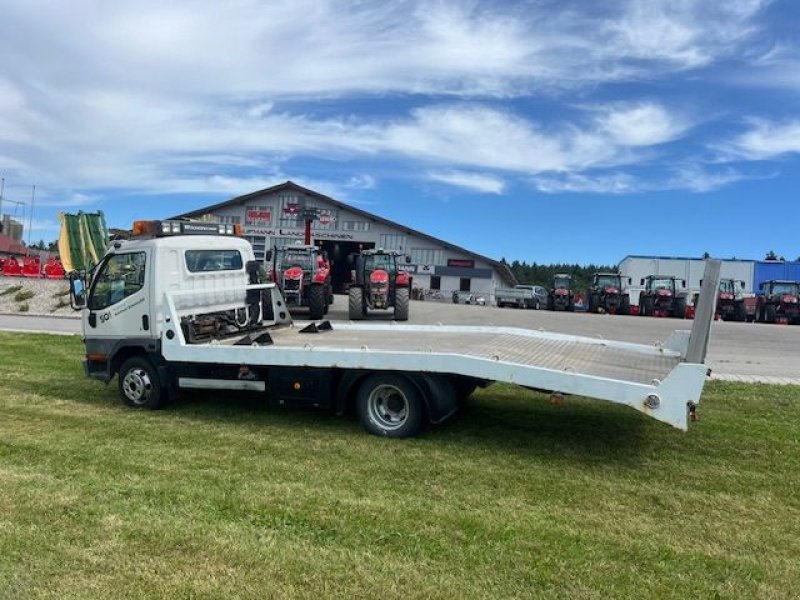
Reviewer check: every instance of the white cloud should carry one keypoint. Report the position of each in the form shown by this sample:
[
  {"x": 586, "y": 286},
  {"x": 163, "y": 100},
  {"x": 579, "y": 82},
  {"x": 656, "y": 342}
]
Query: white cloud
[
  {"x": 477, "y": 182},
  {"x": 696, "y": 178},
  {"x": 644, "y": 124},
  {"x": 765, "y": 140},
  {"x": 216, "y": 98},
  {"x": 615, "y": 183}
]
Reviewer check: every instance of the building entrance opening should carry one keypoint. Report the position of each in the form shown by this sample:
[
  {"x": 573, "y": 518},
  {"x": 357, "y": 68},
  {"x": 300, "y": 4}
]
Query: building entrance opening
[{"x": 340, "y": 267}]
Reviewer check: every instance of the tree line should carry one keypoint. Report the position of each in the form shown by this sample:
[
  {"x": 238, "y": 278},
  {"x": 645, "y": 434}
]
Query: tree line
[{"x": 536, "y": 274}]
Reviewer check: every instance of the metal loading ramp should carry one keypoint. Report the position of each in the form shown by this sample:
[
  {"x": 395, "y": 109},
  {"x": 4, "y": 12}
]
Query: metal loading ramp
[{"x": 587, "y": 356}]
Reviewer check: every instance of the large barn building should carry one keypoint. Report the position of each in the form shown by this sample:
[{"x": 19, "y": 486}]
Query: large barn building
[{"x": 272, "y": 217}]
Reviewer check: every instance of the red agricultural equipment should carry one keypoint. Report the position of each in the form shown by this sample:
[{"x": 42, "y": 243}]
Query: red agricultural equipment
[
  {"x": 661, "y": 297},
  {"x": 303, "y": 274},
  {"x": 32, "y": 267},
  {"x": 607, "y": 295},
  {"x": 780, "y": 302},
  {"x": 53, "y": 269},
  {"x": 378, "y": 283},
  {"x": 732, "y": 303},
  {"x": 12, "y": 268},
  {"x": 561, "y": 295}
]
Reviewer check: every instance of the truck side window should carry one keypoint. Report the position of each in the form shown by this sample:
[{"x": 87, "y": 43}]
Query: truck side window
[
  {"x": 121, "y": 276},
  {"x": 198, "y": 261}
]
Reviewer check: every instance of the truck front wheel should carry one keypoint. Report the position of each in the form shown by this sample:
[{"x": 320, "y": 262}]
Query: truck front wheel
[
  {"x": 390, "y": 405},
  {"x": 139, "y": 385}
]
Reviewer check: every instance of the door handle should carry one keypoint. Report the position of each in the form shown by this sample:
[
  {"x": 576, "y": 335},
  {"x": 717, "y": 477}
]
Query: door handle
[{"x": 145, "y": 322}]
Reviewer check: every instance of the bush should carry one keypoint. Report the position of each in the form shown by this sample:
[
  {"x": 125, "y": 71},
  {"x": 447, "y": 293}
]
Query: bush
[
  {"x": 24, "y": 295},
  {"x": 60, "y": 304},
  {"x": 23, "y": 307},
  {"x": 11, "y": 290}
]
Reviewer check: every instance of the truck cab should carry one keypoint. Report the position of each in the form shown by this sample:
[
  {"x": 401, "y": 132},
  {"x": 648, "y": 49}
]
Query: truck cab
[{"x": 123, "y": 312}]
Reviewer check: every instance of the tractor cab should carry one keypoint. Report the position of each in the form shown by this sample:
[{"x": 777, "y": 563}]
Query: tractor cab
[
  {"x": 561, "y": 296},
  {"x": 378, "y": 282},
  {"x": 607, "y": 295},
  {"x": 303, "y": 274},
  {"x": 661, "y": 297},
  {"x": 779, "y": 303}
]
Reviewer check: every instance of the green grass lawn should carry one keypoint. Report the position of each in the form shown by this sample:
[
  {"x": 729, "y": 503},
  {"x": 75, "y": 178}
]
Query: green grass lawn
[{"x": 216, "y": 497}]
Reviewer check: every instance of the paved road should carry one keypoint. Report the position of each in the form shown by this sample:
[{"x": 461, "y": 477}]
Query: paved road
[{"x": 738, "y": 351}]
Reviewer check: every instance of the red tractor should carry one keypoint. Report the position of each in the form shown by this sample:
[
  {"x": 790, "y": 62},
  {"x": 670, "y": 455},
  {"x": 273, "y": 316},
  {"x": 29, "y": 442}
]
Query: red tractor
[
  {"x": 732, "y": 303},
  {"x": 561, "y": 295},
  {"x": 378, "y": 283},
  {"x": 780, "y": 302},
  {"x": 303, "y": 274},
  {"x": 661, "y": 297},
  {"x": 606, "y": 295}
]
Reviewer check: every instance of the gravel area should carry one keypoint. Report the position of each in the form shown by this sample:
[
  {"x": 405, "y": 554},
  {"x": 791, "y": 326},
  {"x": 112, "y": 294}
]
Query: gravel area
[{"x": 34, "y": 297}]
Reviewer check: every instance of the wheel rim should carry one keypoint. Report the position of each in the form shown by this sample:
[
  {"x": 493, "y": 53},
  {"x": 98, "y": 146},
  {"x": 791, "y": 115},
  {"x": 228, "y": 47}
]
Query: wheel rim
[
  {"x": 137, "y": 386},
  {"x": 388, "y": 406}
]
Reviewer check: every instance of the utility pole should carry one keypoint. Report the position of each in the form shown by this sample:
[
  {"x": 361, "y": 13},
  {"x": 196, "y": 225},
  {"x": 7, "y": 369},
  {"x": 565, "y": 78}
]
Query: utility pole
[{"x": 30, "y": 215}]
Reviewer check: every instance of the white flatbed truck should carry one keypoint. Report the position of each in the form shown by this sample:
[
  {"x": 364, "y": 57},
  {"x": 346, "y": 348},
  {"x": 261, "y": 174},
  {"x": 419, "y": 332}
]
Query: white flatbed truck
[{"x": 179, "y": 307}]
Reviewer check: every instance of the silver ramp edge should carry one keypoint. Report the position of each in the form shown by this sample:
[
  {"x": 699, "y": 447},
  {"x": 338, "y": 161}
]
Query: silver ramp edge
[{"x": 705, "y": 307}]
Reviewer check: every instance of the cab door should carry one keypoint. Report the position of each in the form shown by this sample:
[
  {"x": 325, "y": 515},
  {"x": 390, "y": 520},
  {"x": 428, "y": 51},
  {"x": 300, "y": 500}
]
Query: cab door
[{"x": 119, "y": 303}]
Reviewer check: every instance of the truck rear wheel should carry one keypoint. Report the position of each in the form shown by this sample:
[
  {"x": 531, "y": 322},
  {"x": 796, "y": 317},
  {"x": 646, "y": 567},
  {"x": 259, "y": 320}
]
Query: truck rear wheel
[
  {"x": 355, "y": 303},
  {"x": 139, "y": 385},
  {"x": 390, "y": 405},
  {"x": 401, "y": 304},
  {"x": 316, "y": 301}
]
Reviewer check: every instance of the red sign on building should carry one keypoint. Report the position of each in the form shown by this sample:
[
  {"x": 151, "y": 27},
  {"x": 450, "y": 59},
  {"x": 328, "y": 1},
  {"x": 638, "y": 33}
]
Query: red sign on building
[
  {"x": 258, "y": 216},
  {"x": 461, "y": 262}
]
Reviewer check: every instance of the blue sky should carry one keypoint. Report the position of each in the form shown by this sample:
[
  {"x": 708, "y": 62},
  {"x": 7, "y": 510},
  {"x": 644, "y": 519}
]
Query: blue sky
[{"x": 542, "y": 131}]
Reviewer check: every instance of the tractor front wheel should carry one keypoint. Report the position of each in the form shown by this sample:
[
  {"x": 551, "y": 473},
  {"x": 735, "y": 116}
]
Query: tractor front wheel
[
  {"x": 316, "y": 301},
  {"x": 355, "y": 304},
  {"x": 401, "y": 304}
]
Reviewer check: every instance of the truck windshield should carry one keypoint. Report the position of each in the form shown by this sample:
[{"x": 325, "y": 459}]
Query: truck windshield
[
  {"x": 381, "y": 261},
  {"x": 608, "y": 280}
]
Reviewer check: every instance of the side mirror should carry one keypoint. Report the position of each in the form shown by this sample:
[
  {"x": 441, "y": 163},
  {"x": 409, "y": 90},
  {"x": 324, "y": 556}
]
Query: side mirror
[
  {"x": 630, "y": 281},
  {"x": 701, "y": 283},
  {"x": 683, "y": 281},
  {"x": 642, "y": 282},
  {"x": 77, "y": 291},
  {"x": 408, "y": 259},
  {"x": 268, "y": 255},
  {"x": 741, "y": 284}
]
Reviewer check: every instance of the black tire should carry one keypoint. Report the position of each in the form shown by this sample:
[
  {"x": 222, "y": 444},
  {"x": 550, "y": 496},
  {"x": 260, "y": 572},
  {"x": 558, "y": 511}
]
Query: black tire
[
  {"x": 390, "y": 405},
  {"x": 139, "y": 384},
  {"x": 679, "y": 310},
  {"x": 355, "y": 303},
  {"x": 740, "y": 312},
  {"x": 646, "y": 307},
  {"x": 625, "y": 306},
  {"x": 770, "y": 313},
  {"x": 316, "y": 301},
  {"x": 401, "y": 304}
]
